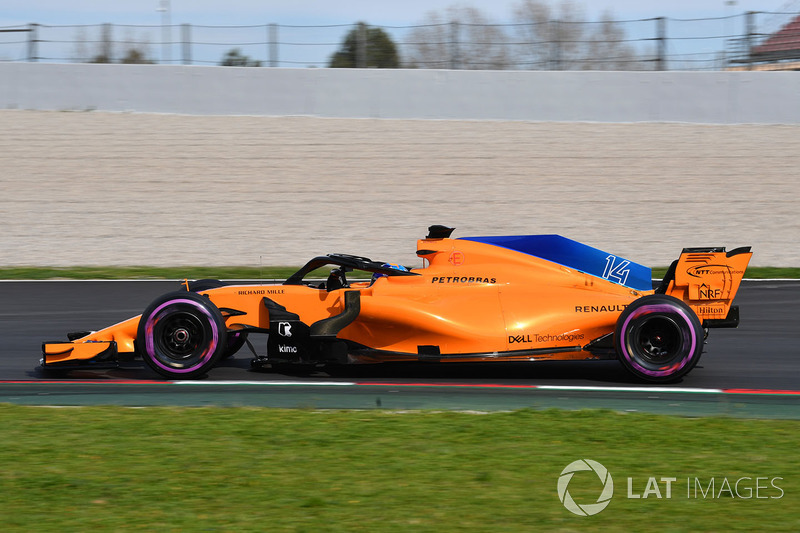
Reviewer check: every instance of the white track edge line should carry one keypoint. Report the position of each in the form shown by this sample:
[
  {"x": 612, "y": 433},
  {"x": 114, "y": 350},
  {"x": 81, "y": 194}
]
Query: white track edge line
[
  {"x": 271, "y": 382},
  {"x": 461, "y": 385},
  {"x": 630, "y": 389}
]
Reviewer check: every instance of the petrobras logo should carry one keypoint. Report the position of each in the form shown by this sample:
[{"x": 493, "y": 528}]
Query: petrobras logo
[{"x": 585, "y": 509}]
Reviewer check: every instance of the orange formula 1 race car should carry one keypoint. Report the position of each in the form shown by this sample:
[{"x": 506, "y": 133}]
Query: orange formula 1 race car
[{"x": 511, "y": 298}]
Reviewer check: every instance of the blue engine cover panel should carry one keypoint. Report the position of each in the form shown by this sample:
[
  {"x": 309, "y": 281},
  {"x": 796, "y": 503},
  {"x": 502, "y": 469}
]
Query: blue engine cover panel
[{"x": 577, "y": 256}]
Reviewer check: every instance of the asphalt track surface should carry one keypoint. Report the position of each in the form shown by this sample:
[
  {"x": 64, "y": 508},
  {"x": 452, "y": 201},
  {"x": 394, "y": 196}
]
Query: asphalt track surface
[{"x": 750, "y": 371}]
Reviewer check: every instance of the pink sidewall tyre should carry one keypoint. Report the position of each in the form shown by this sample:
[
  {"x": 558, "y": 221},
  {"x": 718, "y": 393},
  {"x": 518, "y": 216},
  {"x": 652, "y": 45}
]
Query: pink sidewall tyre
[
  {"x": 659, "y": 338},
  {"x": 181, "y": 335},
  {"x": 235, "y": 340}
]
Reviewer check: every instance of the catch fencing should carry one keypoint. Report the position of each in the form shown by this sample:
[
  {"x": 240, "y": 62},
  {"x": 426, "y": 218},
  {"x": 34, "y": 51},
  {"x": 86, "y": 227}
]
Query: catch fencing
[{"x": 658, "y": 43}]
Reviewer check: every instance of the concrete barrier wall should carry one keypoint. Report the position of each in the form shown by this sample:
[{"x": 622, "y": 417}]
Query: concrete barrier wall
[
  {"x": 139, "y": 188},
  {"x": 698, "y": 97}
]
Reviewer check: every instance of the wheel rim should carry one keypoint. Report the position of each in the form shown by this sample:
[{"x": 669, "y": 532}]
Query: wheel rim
[
  {"x": 659, "y": 340},
  {"x": 181, "y": 336}
]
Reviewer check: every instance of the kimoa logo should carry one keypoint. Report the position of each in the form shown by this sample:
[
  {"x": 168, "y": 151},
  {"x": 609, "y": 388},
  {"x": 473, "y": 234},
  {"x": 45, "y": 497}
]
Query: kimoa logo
[
  {"x": 588, "y": 509},
  {"x": 285, "y": 329}
]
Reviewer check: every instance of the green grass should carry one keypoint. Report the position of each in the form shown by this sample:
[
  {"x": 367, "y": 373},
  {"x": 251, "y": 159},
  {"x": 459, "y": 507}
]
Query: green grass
[
  {"x": 228, "y": 272},
  {"x": 214, "y": 469},
  {"x": 145, "y": 272}
]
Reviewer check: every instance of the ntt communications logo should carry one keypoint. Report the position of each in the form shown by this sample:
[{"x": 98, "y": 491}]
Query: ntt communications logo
[{"x": 587, "y": 509}]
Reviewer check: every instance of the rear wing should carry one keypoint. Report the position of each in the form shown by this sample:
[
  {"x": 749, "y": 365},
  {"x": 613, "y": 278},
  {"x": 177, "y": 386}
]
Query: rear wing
[{"x": 707, "y": 279}]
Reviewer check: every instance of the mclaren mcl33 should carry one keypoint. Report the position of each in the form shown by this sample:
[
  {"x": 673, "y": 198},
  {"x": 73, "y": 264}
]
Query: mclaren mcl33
[{"x": 501, "y": 298}]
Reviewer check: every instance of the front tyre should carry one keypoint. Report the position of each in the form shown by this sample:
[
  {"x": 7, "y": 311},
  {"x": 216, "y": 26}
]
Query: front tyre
[
  {"x": 658, "y": 338},
  {"x": 235, "y": 340},
  {"x": 181, "y": 335}
]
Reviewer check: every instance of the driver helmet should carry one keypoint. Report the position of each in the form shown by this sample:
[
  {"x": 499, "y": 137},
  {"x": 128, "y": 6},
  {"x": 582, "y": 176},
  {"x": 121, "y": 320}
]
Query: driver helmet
[{"x": 377, "y": 275}]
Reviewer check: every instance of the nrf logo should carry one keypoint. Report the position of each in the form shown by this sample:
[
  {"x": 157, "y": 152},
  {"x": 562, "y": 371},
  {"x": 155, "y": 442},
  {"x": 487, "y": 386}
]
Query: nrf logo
[{"x": 707, "y": 293}]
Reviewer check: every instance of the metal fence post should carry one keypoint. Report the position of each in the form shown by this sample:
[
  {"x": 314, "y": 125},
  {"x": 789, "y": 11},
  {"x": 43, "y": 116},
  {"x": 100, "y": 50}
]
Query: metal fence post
[
  {"x": 454, "y": 45},
  {"x": 555, "y": 34},
  {"x": 33, "y": 41},
  {"x": 361, "y": 45},
  {"x": 750, "y": 33},
  {"x": 272, "y": 39},
  {"x": 106, "y": 44},
  {"x": 186, "y": 43},
  {"x": 661, "y": 43}
]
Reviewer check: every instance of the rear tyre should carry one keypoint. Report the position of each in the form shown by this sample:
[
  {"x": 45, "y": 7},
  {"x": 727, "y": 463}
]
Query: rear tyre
[
  {"x": 658, "y": 338},
  {"x": 181, "y": 335}
]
